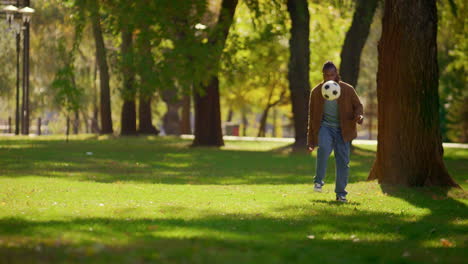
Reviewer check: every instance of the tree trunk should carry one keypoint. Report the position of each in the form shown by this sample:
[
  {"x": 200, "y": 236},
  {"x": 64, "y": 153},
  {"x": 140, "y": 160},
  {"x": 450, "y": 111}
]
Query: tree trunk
[
  {"x": 208, "y": 116},
  {"x": 94, "y": 120},
  {"x": 275, "y": 125},
  {"x": 145, "y": 117},
  {"x": 105, "y": 107},
  {"x": 185, "y": 127},
  {"x": 208, "y": 130},
  {"x": 147, "y": 87},
  {"x": 298, "y": 74},
  {"x": 67, "y": 132},
  {"x": 76, "y": 123},
  {"x": 245, "y": 122},
  {"x": 85, "y": 120},
  {"x": 409, "y": 150},
  {"x": 229, "y": 115},
  {"x": 128, "y": 116},
  {"x": 263, "y": 120},
  {"x": 355, "y": 39}
]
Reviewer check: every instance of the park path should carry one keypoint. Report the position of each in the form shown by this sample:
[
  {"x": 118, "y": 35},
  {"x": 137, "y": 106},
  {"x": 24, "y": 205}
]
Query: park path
[{"x": 291, "y": 140}]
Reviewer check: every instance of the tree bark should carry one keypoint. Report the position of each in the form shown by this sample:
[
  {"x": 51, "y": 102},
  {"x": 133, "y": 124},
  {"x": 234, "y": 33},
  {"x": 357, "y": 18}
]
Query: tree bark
[
  {"x": 208, "y": 130},
  {"x": 355, "y": 39},
  {"x": 145, "y": 117},
  {"x": 185, "y": 127},
  {"x": 105, "y": 107},
  {"x": 76, "y": 122},
  {"x": 409, "y": 150},
  {"x": 208, "y": 116},
  {"x": 298, "y": 74},
  {"x": 128, "y": 115}
]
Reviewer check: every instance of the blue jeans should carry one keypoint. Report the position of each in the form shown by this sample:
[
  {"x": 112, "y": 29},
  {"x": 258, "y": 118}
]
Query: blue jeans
[{"x": 330, "y": 138}]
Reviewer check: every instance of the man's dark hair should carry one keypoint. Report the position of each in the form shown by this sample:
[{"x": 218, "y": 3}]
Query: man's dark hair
[{"x": 328, "y": 66}]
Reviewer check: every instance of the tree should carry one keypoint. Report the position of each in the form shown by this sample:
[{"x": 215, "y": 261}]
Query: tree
[
  {"x": 298, "y": 74},
  {"x": 355, "y": 39},
  {"x": 206, "y": 95},
  {"x": 147, "y": 85},
  {"x": 105, "y": 104},
  {"x": 128, "y": 116},
  {"x": 409, "y": 150},
  {"x": 67, "y": 93}
]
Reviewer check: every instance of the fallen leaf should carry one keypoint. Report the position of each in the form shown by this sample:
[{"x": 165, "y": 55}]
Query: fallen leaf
[
  {"x": 152, "y": 227},
  {"x": 446, "y": 243}
]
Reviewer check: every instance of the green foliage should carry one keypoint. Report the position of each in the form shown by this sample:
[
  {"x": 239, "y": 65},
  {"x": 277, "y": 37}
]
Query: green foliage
[
  {"x": 328, "y": 27},
  {"x": 67, "y": 93},
  {"x": 453, "y": 76}
]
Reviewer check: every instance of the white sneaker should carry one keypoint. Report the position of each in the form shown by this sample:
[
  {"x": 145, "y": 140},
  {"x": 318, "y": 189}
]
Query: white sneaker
[
  {"x": 341, "y": 198},
  {"x": 318, "y": 187}
]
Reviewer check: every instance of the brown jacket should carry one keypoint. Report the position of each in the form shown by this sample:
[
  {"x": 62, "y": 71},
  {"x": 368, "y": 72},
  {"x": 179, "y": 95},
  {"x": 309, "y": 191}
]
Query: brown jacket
[{"x": 349, "y": 106}]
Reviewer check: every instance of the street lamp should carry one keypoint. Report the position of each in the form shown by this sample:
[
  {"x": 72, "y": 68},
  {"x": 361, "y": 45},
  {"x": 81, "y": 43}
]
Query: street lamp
[
  {"x": 26, "y": 13},
  {"x": 10, "y": 12},
  {"x": 18, "y": 25}
]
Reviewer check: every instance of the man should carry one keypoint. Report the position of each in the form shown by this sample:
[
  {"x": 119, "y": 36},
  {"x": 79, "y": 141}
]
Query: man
[{"x": 332, "y": 126}]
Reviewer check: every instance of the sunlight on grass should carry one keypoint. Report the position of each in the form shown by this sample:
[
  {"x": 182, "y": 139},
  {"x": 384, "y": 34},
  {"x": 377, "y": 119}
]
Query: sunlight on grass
[{"x": 133, "y": 196}]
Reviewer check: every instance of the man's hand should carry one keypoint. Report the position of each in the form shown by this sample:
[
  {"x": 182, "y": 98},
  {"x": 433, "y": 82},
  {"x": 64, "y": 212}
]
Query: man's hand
[
  {"x": 311, "y": 149},
  {"x": 359, "y": 119}
]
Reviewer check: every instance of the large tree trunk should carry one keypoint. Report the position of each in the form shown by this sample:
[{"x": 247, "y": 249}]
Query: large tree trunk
[
  {"x": 355, "y": 39},
  {"x": 145, "y": 117},
  {"x": 207, "y": 107},
  {"x": 185, "y": 127},
  {"x": 105, "y": 107},
  {"x": 128, "y": 115},
  {"x": 208, "y": 116},
  {"x": 409, "y": 150},
  {"x": 298, "y": 74}
]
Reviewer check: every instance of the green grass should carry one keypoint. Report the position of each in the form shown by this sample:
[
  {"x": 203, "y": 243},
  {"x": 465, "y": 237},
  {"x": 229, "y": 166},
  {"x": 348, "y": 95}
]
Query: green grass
[{"x": 155, "y": 200}]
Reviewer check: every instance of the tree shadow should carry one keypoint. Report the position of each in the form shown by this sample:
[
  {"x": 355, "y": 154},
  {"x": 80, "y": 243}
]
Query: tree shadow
[
  {"x": 168, "y": 161},
  {"x": 212, "y": 236},
  {"x": 160, "y": 161}
]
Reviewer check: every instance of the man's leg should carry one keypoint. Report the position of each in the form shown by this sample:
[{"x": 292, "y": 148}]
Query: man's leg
[
  {"x": 341, "y": 150},
  {"x": 325, "y": 147}
]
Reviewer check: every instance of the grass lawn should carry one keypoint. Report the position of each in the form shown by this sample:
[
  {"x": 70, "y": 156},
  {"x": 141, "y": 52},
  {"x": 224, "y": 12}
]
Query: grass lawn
[{"x": 155, "y": 200}]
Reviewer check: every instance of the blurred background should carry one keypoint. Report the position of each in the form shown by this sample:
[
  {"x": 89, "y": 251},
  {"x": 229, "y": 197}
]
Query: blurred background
[{"x": 133, "y": 67}]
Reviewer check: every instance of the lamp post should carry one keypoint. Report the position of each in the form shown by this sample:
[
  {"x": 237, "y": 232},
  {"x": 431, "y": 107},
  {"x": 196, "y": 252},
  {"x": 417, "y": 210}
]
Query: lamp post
[{"x": 17, "y": 20}]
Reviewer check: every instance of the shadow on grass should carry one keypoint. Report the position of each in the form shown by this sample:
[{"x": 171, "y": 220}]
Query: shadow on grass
[
  {"x": 356, "y": 237},
  {"x": 168, "y": 161},
  {"x": 172, "y": 161}
]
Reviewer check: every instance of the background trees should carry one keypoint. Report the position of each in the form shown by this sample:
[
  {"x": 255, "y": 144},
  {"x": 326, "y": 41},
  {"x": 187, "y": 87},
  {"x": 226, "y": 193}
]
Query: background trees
[{"x": 161, "y": 53}]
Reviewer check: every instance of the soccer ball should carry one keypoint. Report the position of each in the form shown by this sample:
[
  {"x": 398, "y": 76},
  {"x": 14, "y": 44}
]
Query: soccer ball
[{"x": 331, "y": 90}]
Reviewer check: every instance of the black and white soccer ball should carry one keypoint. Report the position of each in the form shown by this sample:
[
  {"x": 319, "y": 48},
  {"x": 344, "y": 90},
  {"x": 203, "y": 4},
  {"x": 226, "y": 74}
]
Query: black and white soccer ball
[{"x": 331, "y": 90}]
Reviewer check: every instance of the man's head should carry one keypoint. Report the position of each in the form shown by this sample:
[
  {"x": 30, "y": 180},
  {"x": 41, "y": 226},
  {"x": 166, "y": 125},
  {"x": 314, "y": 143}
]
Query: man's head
[{"x": 330, "y": 72}]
